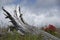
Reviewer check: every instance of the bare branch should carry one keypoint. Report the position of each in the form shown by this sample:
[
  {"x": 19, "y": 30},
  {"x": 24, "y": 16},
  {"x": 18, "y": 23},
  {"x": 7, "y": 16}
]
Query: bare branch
[{"x": 13, "y": 21}]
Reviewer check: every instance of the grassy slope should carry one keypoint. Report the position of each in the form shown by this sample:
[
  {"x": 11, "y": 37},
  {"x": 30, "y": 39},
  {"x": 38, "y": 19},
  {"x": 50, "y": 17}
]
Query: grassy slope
[{"x": 17, "y": 36}]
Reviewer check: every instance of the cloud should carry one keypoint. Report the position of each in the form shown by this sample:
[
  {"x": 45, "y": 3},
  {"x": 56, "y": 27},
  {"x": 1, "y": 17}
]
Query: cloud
[
  {"x": 41, "y": 17},
  {"x": 5, "y": 2},
  {"x": 51, "y": 16},
  {"x": 47, "y": 2},
  {"x": 40, "y": 5},
  {"x": 40, "y": 13}
]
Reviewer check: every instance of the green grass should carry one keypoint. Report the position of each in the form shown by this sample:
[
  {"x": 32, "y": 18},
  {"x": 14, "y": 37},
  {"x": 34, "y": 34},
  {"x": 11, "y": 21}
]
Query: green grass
[{"x": 17, "y": 36}]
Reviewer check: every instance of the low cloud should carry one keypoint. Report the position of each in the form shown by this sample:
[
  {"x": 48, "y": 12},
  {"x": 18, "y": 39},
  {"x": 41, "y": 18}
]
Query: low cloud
[{"x": 43, "y": 12}]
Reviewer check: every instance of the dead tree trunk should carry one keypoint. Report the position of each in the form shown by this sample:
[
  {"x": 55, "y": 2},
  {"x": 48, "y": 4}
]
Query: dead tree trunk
[{"x": 25, "y": 27}]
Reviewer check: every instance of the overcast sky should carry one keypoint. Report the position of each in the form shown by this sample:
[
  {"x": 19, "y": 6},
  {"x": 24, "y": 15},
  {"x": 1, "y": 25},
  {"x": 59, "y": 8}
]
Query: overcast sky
[{"x": 35, "y": 12}]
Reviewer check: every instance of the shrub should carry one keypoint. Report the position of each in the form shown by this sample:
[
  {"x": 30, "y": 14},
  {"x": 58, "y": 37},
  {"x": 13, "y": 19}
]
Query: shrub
[{"x": 50, "y": 29}]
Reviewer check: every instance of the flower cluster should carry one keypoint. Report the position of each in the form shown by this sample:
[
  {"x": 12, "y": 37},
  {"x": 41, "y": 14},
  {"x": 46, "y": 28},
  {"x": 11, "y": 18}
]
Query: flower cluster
[{"x": 50, "y": 27}]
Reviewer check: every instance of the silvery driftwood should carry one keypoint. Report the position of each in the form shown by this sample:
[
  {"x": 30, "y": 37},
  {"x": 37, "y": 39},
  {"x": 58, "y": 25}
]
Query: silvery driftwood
[{"x": 24, "y": 27}]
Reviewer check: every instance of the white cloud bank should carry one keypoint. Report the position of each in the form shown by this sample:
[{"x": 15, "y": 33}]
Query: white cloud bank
[
  {"x": 38, "y": 15},
  {"x": 44, "y": 18}
]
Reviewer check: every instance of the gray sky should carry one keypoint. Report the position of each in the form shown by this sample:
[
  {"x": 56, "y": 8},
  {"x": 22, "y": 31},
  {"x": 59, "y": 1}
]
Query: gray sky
[{"x": 35, "y": 12}]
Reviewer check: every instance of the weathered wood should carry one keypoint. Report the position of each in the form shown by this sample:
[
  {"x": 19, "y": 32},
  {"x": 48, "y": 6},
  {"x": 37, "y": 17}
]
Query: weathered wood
[
  {"x": 18, "y": 27},
  {"x": 29, "y": 28}
]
